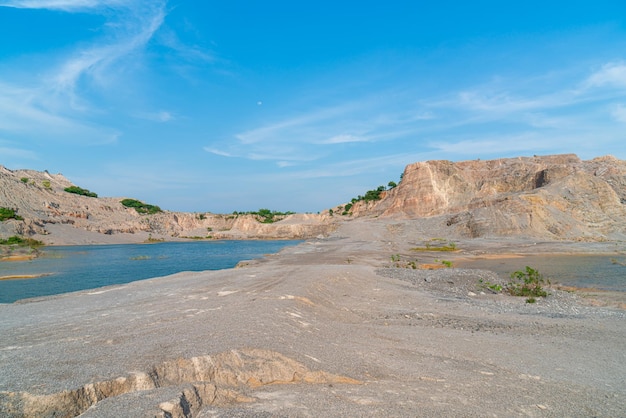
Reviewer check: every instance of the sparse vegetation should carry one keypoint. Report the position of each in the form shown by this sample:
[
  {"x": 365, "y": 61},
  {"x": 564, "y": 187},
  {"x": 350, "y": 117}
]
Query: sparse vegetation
[
  {"x": 446, "y": 263},
  {"x": 450, "y": 246},
  {"x": 141, "y": 207},
  {"x": 8, "y": 213},
  {"x": 396, "y": 260},
  {"x": 492, "y": 287},
  {"x": 21, "y": 242},
  {"x": 151, "y": 240},
  {"x": 370, "y": 196},
  {"x": 528, "y": 282},
  {"x": 46, "y": 184},
  {"x": 24, "y": 179},
  {"x": 266, "y": 216},
  {"x": 80, "y": 191}
]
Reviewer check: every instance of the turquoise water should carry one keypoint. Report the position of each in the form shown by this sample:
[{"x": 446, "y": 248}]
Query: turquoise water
[
  {"x": 74, "y": 268},
  {"x": 589, "y": 271}
]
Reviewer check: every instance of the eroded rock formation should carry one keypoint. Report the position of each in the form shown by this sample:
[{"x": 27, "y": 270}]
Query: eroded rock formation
[
  {"x": 53, "y": 215},
  {"x": 205, "y": 380},
  {"x": 556, "y": 197},
  {"x": 549, "y": 197}
]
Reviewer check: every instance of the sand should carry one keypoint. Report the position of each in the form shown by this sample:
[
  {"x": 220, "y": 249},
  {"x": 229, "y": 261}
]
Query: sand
[{"x": 399, "y": 342}]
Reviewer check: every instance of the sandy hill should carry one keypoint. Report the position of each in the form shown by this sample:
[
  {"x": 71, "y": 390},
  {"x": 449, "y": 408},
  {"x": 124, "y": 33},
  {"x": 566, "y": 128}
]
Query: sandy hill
[{"x": 53, "y": 215}]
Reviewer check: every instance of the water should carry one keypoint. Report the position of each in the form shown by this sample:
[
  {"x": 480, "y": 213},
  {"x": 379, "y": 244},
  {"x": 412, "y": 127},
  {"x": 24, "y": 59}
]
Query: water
[
  {"x": 74, "y": 268},
  {"x": 588, "y": 271}
]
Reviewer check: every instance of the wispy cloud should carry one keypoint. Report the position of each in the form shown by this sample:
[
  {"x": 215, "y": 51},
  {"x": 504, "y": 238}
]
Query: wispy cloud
[
  {"x": 65, "y": 5},
  {"x": 20, "y": 114},
  {"x": 492, "y": 119},
  {"x": 612, "y": 74},
  {"x": 57, "y": 104},
  {"x": 619, "y": 113},
  {"x": 133, "y": 27}
]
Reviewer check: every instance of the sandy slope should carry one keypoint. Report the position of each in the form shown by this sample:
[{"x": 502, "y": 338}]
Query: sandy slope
[{"x": 350, "y": 341}]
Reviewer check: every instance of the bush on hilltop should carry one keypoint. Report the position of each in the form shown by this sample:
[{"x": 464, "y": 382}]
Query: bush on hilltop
[
  {"x": 80, "y": 191},
  {"x": 141, "y": 207}
]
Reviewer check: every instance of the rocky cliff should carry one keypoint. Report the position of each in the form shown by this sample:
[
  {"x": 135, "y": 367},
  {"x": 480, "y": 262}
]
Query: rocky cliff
[
  {"x": 55, "y": 216},
  {"x": 549, "y": 197},
  {"x": 552, "y": 197}
]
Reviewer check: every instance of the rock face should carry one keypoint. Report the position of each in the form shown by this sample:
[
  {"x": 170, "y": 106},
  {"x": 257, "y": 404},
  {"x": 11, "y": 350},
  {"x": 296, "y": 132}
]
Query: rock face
[
  {"x": 57, "y": 217},
  {"x": 549, "y": 197},
  {"x": 554, "y": 197}
]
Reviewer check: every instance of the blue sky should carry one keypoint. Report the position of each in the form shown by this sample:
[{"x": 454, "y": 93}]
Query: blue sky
[{"x": 223, "y": 106}]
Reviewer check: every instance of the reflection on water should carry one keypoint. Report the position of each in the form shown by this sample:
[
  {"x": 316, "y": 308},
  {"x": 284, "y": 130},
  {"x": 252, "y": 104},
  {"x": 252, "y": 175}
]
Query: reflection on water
[
  {"x": 72, "y": 268},
  {"x": 590, "y": 271}
]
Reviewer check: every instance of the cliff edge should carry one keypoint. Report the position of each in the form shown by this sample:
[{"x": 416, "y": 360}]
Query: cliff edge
[{"x": 549, "y": 197}]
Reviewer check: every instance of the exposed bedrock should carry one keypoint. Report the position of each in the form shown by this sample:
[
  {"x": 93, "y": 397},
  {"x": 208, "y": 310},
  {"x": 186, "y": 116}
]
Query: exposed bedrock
[{"x": 204, "y": 380}]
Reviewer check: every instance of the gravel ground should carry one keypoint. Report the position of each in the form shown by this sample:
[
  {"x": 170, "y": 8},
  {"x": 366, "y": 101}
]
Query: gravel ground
[{"x": 419, "y": 342}]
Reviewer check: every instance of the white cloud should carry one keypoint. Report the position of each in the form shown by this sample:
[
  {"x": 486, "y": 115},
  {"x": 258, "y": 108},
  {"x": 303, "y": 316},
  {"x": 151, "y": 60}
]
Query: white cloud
[
  {"x": 619, "y": 113},
  {"x": 612, "y": 74},
  {"x": 218, "y": 152},
  {"x": 344, "y": 138},
  {"x": 21, "y": 114},
  {"x": 65, "y": 5}
]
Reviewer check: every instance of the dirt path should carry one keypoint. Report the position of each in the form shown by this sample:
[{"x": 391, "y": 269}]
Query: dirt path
[{"x": 323, "y": 329}]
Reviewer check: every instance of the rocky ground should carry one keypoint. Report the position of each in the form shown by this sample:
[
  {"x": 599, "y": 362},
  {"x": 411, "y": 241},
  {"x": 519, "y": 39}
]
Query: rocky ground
[{"x": 328, "y": 328}]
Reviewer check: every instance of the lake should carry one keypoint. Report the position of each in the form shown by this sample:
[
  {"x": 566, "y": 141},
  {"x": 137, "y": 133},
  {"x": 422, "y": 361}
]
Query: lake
[
  {"x": 589, "y": 271},
  {"x": 73, "y": 268}
]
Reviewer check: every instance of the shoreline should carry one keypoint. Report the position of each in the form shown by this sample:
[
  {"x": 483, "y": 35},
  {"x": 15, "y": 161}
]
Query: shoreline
[{"x": 318, "y": 330}]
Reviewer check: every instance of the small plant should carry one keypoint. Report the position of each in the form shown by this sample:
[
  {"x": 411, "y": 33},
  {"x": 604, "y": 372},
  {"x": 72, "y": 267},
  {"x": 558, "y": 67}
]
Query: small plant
[
  {"x": 80, "y": 191},
  {"x": 528, "y": 282},
  {"x": 396, "y": 259},
  {"x": 493, "y": 287},
  {"x": 24, "y": 180},
  {"x": 446, "y": 263},
  {"x": 8, "y": 213},
  {"x": 46, "y": 184},
  {"x": 531, "y": 300}
]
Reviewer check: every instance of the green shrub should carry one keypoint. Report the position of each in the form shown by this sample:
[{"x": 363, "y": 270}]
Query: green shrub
[
  {"x": 451, "y": 246},
  {"x": 529, "y": 283},
  {"x": 80, "y": 191},
  {"x": 8, "y": 213},
  {"x": 46, "y": 184},
  {"x": 141, "y": 207},
  {"x": 24, "y": 179},
  {"x": 22, "y": 242},
  {"x": 266, "y": 216},
  {"x": 493, "y": 287}
]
